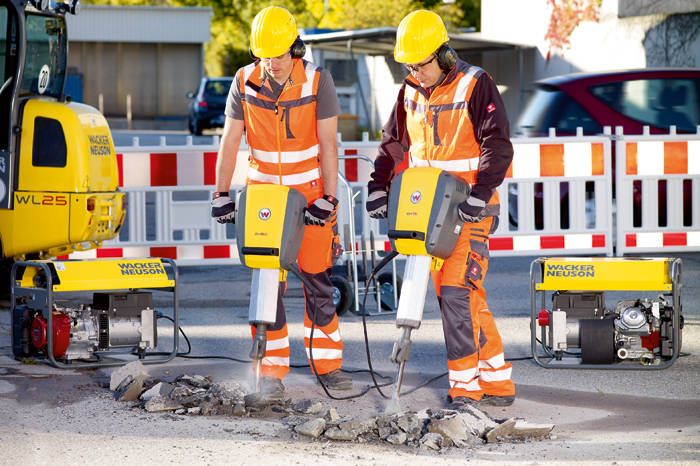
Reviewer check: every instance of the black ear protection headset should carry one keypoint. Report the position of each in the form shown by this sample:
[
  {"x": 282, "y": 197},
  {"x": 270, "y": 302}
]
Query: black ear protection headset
[
  {"x": 446, "y": 57},
  {"x": 296, "y": 50}
]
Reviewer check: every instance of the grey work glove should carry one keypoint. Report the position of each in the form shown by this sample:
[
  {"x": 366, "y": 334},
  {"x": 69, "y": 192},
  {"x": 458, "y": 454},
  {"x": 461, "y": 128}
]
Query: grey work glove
[
  {"x": 321, "y": 211},
  {"x": 223, "y": 209},
  {"x": 473, "y": 210},
  {"x": 376, "y": 204}
]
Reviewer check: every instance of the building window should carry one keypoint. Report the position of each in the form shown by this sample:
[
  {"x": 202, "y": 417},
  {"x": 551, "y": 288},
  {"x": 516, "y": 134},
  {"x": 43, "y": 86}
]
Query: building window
[
  {"x": 49, "y": 143},
  {"x": 344, "y": 72}
]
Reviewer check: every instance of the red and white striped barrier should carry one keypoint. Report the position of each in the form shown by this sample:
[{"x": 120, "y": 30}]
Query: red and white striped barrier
[
  {"x": 547, "y": 174},
  {"x": 658, "y": 201}
]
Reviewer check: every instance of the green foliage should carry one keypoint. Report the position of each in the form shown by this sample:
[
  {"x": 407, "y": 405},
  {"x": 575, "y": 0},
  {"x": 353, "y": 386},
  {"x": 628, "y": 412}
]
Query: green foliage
[{"x": 230, "y": 27}]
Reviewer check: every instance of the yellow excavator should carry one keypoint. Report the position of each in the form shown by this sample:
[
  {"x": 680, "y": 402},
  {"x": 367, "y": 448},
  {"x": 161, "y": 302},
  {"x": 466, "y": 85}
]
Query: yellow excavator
[{"x": 58, "y": 168}]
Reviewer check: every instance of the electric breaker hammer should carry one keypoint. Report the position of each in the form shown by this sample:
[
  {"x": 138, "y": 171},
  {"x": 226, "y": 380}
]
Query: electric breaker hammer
[
  {"x": 269, "y": 230},
  {"x": 424, "y": 226}
]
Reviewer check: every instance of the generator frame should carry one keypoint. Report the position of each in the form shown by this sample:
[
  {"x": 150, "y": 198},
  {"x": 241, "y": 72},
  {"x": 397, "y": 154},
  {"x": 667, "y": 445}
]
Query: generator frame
[
  {"x": 667, "y": 281},
  {"x": 41, "y": 297}
]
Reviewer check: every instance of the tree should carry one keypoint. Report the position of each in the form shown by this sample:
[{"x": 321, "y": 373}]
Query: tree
[
  {"x": 566, "y": 16},
  {"x": 230, "y": 26}
]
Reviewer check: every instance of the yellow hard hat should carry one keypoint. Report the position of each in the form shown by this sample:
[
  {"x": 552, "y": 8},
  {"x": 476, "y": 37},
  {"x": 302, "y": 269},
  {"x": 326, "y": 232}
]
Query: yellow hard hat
[
  {"x": 419, "y": 34},
  {"x": 273, "y": 32}
]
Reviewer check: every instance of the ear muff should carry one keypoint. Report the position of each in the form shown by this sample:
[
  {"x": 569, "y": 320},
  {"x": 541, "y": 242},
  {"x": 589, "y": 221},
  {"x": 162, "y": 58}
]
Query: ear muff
[
  {"x": 298, "y": 48},
  {"x": 446, "y": 57}
]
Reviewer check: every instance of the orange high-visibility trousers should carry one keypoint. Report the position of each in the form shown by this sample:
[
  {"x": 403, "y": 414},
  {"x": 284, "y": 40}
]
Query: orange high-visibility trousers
[
  {"x": 475, "y": 358},
  {"x": 315, "y": 260}
]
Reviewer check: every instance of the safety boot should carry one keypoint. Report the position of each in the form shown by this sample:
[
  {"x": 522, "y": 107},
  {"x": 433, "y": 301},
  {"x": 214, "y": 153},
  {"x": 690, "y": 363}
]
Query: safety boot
[
  {"x": 495, "y": 400},
  {"x": 461, "y": 403},
  {"x": 336, "y": 380}
]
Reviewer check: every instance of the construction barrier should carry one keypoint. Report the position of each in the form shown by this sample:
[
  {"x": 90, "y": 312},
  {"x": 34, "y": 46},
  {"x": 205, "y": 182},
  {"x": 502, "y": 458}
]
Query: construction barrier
[
  {"x": 557, "y": 199},
  {"x": 658, "y": 192}
]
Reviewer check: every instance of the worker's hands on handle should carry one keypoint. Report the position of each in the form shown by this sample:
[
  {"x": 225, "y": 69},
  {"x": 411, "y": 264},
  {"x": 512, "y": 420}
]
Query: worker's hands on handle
[
  {"x": 321, "y": 211},
  {"x": 223, "y": 209},
  {"x": 376, "y": 205},
  {"x": 473, "y": 210}
]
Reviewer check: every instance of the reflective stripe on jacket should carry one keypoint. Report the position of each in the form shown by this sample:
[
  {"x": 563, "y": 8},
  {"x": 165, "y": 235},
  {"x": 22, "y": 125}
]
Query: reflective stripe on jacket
[{"x": 281, "y": 133}]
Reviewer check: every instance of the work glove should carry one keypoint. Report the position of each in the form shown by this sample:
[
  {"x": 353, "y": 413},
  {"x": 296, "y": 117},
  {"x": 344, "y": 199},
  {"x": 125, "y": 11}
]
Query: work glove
[
  {"x": 376, "y": 205},
  {"x": 473, "y": 210},
  {"x": 223, "y": 209},
  {"x": 321, "y": 211}
]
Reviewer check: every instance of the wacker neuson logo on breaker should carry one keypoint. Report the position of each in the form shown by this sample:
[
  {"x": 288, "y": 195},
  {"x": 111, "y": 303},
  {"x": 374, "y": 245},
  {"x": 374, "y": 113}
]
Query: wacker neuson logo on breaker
[{"x": 569, "y": 270}]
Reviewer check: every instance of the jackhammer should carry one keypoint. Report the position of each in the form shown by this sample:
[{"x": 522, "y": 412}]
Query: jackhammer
[
  {"x": 268, "y": 225},
  {"x": 424, "y": 226}
]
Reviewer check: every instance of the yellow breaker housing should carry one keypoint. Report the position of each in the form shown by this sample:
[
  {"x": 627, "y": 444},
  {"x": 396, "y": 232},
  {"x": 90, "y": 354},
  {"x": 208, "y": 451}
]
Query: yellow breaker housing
[
  {"x": 269, "y": 226},
  {"x": 423, "y": 218}
]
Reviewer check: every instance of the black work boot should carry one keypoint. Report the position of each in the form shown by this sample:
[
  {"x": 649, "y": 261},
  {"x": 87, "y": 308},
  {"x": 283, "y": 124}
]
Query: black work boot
[
  {"x": 336, "y": 380},
  {"x": 461, "y": 403},
  {"x": 495, "y": 400}
]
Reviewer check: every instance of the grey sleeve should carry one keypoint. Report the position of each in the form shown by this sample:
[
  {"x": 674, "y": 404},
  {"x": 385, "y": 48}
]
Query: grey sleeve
[
  {"x": 234, "y": 105},
  {"x": 327, "y": 105}
]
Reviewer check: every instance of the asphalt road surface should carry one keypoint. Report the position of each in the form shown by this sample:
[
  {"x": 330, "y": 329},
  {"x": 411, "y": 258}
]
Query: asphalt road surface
[{"x": 50, "y": 416}]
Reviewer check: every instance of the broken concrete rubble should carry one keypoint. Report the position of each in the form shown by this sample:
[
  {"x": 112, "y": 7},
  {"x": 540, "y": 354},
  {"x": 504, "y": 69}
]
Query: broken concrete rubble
[
  {"x": 313, "y": 428},
  {"x": 518, "y": 429},
  {"x": 428, "y": 429}
]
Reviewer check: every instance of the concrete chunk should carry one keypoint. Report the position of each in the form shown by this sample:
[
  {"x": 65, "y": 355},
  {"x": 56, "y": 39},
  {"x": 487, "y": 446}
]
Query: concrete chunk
[
  {"x": 334, "y": 433},
  {"x": 358, "y": 426},
  {"x": 129, "y": 389},
  {"x": 197, "y": 381},
  {"x": 398, "y": 438},
  {"x": 518, "y": 429},
  {"x": 432, "y": 441},
  {"x": 134, "y": 369},
  {"x": 308, "y": 407},
  {"x": 460, "y": 429},
  {"x": 332, "y": 415},
  {"x": 160, "y": 404},
  {"x": 313, "y": 428},
  {"x": 159, "y": 389}
]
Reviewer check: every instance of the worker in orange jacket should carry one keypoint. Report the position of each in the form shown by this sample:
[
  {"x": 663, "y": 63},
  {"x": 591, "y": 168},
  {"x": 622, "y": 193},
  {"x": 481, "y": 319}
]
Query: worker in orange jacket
[
  {"x": 288, "y": 109},
  {"x": 449, "y": 115}
]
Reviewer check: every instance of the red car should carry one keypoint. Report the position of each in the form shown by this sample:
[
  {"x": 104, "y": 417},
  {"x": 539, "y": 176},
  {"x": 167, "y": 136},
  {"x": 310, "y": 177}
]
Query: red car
[{"x": 657, "y": 98}]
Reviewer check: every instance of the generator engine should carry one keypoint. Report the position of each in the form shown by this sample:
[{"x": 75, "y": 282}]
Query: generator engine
[
  {"x": 638, "y": 330},
  {"x": 113, "y": 320}
]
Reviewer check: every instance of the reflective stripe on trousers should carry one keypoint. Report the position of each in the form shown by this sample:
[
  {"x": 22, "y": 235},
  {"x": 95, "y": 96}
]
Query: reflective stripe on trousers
[{"x": 474, "y": 348}]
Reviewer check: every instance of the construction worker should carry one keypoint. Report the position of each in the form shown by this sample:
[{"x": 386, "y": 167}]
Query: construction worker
[
  {"x": 449, "y": 115},
  {"x": 288, "y": 109}
]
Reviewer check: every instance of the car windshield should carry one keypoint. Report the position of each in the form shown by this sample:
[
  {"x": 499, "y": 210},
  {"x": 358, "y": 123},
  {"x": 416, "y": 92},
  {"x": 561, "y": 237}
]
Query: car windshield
[{"x": 218, "y": 88}]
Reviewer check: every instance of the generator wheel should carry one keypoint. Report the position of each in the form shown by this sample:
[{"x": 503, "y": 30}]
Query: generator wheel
[
  {"x": 386, "y": 291},
  {"x": 343, "y": 296}
]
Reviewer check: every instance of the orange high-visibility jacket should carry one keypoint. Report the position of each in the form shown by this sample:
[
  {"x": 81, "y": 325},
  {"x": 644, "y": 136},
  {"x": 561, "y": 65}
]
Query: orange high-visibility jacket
[
  {"x": 281, "y": 134},
  {"x": 440, "y": 129}
]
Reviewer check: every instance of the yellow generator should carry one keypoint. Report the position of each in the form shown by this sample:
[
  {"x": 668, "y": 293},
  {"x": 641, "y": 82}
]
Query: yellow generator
[
  {"x": 577, "y": 329},
  {"x": 52, "y": 322}
]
